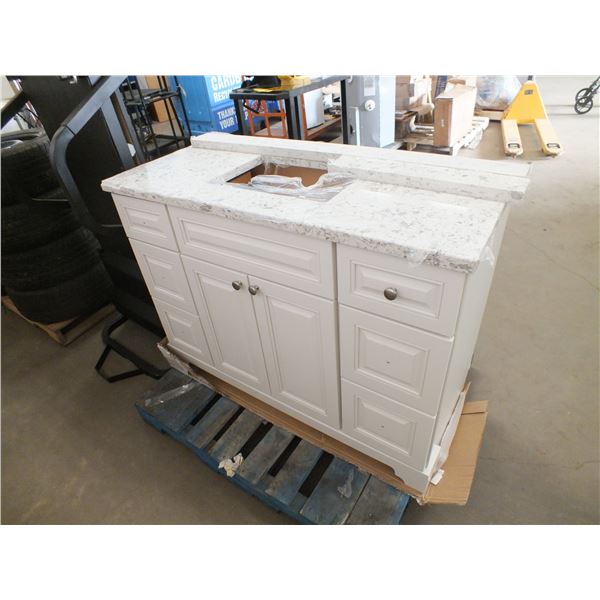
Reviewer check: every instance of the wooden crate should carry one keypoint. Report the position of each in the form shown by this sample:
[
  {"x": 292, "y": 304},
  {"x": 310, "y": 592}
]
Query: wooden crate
[
  {"x": 422, "y": 138},
  {"x": 284, "y": 471},
  {"x": 64, "y": 332}
]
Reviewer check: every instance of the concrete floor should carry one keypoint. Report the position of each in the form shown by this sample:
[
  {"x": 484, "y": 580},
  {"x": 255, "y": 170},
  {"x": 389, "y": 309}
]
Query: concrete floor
[{"x": 75, "y": 451}]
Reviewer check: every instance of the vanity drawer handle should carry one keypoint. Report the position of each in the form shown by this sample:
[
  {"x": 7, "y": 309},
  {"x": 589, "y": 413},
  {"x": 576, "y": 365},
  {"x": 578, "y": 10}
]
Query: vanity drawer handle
[
  {"x": 390, "y": 293},
  {"x": 253, "y": 289},
  {"x": 237, "y": 285}
]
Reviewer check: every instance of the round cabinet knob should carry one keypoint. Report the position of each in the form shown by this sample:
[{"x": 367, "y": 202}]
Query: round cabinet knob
[
  {"x": 390, "y": 293},
  {"x": 370, "y": 105},
  {"x": 236, "y": 285},
  {"x": 253, "y": 289}
]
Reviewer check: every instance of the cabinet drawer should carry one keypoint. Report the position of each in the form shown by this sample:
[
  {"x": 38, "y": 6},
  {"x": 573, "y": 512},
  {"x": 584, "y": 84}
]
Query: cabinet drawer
[
  {"x": 184, "y": 332},
  {"x": 401, "y": 362},
  {"x": 425, "y": 296},
  {"x": 146, "y": 221},
  {"x": 385, "y": 425},
  {"x": 279, "y": 256},
  {"x": 164, "y": 275}
]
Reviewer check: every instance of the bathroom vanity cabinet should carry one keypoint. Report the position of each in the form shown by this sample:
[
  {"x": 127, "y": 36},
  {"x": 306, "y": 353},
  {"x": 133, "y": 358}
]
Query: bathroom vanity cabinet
[{"x": 357, "y": 315}]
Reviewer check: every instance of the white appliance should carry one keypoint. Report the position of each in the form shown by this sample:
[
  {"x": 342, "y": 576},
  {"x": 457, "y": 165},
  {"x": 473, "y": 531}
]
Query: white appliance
[{"x": 370, "y": 108}]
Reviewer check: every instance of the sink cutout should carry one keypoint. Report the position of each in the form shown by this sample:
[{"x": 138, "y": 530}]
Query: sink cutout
[
  {"x": 295, "y": 181},
  {"x": 308, "y": 175}
]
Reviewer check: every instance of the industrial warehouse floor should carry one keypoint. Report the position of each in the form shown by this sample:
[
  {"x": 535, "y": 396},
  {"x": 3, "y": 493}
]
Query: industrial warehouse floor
[{"x": 74, "y": 449}]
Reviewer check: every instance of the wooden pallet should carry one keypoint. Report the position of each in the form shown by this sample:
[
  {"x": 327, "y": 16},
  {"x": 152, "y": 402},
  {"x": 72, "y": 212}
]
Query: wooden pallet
[
  {"x": 422, "y": 138},
  {"x": 281, "y": 469},
  {"x": 64, "y": 332}
]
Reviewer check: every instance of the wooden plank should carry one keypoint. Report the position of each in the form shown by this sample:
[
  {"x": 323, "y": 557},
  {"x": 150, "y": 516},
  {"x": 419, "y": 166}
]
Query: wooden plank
[
  {"x": 176, "y": 399},
  {"x": 206, "y": 429},
  {"x": 379, "y": 504},
  {"x": 288, "y": 481},
  {"x": 335, "y": 495},
  {"x": 265, "y": 454},
  {"x": 186, "y": 406},
  {"x": 231, "y": 442},
  {"x": 64, "y": 332}
]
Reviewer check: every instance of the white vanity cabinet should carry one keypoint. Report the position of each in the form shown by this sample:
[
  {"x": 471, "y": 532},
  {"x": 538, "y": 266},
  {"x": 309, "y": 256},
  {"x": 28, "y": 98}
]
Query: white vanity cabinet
[{"x": 367, "y": 347}]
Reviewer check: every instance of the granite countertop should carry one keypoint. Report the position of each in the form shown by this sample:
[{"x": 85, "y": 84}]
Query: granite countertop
[{"x": 393, "y": 206}]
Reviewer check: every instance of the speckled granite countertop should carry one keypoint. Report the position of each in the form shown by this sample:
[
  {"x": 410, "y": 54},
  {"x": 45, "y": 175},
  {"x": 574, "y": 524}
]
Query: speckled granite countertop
[{"x": 394, "y": 206}]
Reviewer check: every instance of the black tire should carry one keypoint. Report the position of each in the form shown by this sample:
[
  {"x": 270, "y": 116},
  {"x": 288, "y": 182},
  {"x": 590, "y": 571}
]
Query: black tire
[
  {"x": 580, "y": 94},
  {"x": 49, "y": 265},
  {"x": 26, "y": 226},
  {"x": 23, "y": 135},
  {"x": 26, "y": 166},
  {"x": 74, "y": 298}
]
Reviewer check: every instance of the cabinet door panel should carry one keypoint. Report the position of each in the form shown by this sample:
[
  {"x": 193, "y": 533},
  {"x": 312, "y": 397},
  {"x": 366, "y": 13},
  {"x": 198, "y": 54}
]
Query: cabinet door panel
[
  {"x": 184, "y": 332},
  {"x": 298, "y": 332},
  {"x": 227, "y": 316}
]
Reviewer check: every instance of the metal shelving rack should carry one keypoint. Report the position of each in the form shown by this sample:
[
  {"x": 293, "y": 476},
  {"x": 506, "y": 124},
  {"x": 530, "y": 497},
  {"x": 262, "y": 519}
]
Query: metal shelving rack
[{"x": 138, "y": 100}]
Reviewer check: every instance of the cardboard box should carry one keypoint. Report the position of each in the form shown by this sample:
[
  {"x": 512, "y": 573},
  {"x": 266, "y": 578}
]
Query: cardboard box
[
  {"x": 408, "y": 78},
  {"x": 469, "y": 80},
  {"x": 418, "y": 87},
  {"x": 453, "y": 115},
  {"x": 458, "y": 470}
]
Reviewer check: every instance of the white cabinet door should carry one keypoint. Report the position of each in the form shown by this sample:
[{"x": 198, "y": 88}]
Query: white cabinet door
[
  {"x": 298, "y": 333},
  {"x": 227, "y": 316},
  {"x": 164, "y": 275},
  {"x": 184, "y": 332}
]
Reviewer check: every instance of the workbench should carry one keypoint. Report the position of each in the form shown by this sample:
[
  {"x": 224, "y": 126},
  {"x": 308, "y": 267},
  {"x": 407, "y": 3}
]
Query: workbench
[{"x": 292, "y": 100}]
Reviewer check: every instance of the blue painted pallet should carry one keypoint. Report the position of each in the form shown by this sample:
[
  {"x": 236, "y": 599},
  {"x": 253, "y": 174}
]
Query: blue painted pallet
[{"x": 282, "y": 470}]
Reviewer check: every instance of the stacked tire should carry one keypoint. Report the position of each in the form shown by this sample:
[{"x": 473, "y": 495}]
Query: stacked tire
[{"x": 51, "y": 268}]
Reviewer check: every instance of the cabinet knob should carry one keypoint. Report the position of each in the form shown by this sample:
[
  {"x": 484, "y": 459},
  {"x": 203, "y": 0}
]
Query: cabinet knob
[
  {"x": 253, "y": 289},
  {"x": 390, "y": 293},
  {"x": 236, "y": 285}
]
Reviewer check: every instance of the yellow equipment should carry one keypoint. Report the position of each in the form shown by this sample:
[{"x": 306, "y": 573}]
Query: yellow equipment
[{"x": 528, "y": 109}]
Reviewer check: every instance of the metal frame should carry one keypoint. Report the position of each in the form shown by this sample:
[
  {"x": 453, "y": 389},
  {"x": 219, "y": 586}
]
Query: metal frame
[
  {"x": 134, "y": 99},
  {"x": 292, "y": 98},
  {"x": 143, "y": 367},
  {"x": 103, "y": 89}
]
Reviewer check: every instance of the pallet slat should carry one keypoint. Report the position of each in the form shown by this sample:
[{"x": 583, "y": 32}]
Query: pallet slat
[
  {"x": 206, "y": 429},
  {"x": 231, "y": 442},
  {"x": 261, "y": 459},
  {"x": 291, "y": 477},
  {"x": 64, "y": 332},
  {"x": 379, "y": 504},
  {"x": 336, "y": 493}
]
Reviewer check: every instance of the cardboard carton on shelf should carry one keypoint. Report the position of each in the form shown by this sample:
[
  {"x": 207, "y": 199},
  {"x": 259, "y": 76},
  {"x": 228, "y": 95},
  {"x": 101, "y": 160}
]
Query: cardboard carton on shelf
[{"x": 453, "y": 118}]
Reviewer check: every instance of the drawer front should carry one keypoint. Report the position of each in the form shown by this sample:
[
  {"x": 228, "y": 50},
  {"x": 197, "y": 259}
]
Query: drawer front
[
  {"x": 146, "y": 221},
  {"x": 421, "y": 295},
  {"x": 164, "y": 275},
  {"x": 184, "y": 332},
  {"x": 386, "y": 425},
  {"x": 401, "y": 362},
  {"x": 279, "y": 256}
]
